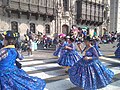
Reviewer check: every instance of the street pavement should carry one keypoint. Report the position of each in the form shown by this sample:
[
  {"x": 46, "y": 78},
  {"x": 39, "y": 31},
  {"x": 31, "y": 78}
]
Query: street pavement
[
  {"x": 44, "y": 65},
  {"x": 108, "y": 49}
]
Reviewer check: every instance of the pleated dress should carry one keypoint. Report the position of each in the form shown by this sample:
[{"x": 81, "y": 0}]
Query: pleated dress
[
  {"x": 13, "y": 78},
  {"x": 69, "y": 57},
  {"x": 90, "y": 74}
]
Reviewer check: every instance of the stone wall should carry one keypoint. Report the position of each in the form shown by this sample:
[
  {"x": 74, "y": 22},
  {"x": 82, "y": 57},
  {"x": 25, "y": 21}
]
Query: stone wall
[{"x": 24, "y": 24}]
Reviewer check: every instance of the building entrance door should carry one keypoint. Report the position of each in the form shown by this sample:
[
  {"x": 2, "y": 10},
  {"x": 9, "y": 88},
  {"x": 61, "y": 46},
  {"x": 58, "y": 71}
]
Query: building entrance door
[
  {"x": 65, "y": 29},
  {"x": 14, "y": 26}
]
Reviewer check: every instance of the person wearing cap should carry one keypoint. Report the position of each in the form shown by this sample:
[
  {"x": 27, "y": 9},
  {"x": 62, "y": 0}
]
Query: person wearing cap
[
  {"x": 89, "y": 73},
  {"x": 11, "y": 77},
  {"x": 9, "y": 35}
]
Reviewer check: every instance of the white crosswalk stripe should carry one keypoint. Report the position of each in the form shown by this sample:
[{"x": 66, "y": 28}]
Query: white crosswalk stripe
[
  {"x": 110, "y": 59},
  {"x": 38, "y": 67},
  {"x": 60, "y": 85},
  {"x": 36, "y": 62},
  {"x": 57, "y": 78},
  {"x": 49, "y": 74}
]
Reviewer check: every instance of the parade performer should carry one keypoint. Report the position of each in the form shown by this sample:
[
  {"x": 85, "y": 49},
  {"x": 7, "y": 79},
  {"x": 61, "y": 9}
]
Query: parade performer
[
  {"x": 79, "y": 43},
  {"x": 89, "y": 73},
  {"x": 30, "y": 47},
  {"x": 62, "y": 43},
  {"x": 11, "y": 77},
  {"x": 18, "y": 64},
  {"x": 69, "y": 55},
  {"x": 58, "y": 49},
  {"x": 117, "y": 52},
  {"x": 96, "y": 46}
]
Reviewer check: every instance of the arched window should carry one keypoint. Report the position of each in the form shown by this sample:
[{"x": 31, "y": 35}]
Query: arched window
[
  {"x": 14, "y": 26},
  {"x": 47, "y": 29},
  {"x": 32, "y": 27},
  {"x": 5, "y": 2},
  {"x": 65, "y": 29},
  {"x": 66, "y": 5}
]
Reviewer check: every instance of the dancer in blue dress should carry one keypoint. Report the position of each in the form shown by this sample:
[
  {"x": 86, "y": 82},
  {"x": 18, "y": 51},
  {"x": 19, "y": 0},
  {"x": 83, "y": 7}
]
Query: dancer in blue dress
[
  {"x": 59, "y": 48},
  {"x": 11, "y": 77},
  {"x": 60, "y": 45},
  {"x": 79, "y": 42},
  {"x": 117, "y": 52},
  {"x": 96, "y": 46},
  {"x": 89, "y": 73},
  {"x": 69, "y": 55}
]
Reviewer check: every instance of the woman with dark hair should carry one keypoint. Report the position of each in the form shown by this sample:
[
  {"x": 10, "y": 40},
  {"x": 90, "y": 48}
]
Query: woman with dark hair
[
  {"x": 89, "y": 73},
  {"x": 69, "y": 55},
  {"x": 11, "y": 77}
]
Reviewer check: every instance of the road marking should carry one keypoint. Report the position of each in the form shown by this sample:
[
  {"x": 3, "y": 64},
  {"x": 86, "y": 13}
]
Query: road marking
[
  {"x": 110, "y": 59},
  {"x": 110, "y": 55},
  {"x": 38, "y": 67},
  {"x": 60, "y": 85},
  {"x": 54, "y": 65},
  {"x": 37, "y": 62},
  {"x": 49, "y": 74},
  {"x": 63, "y": 83},
  {"x": 112, "y": 86}
]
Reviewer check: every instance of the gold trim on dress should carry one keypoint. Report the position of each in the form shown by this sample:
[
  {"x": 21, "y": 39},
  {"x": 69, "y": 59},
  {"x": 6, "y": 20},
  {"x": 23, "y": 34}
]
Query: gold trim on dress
[{"x": 9, "y": 46}]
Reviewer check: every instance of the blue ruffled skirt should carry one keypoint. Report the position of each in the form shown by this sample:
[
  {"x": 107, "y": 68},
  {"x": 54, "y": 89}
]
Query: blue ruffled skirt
[
  {"x": 17, "y": 79},
  {"x": 69, "y": 58},
  {"x": 57, "y": 52},
  {"x": 117, "y": 52},
  {"x": 90, "y": 75},
  {"x": 98, "y": 50}
]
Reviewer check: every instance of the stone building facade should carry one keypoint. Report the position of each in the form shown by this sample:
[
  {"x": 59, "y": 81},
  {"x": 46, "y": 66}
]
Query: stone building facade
[
  {"x": 50, "y": 16},
  {"x": 23, "y": 15},
  {"x": 115, "y": 16},
  {"x": 65, "y": 17},
  {"x": 87, "y": 14},
  {"x": 90, "y": 14}
]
